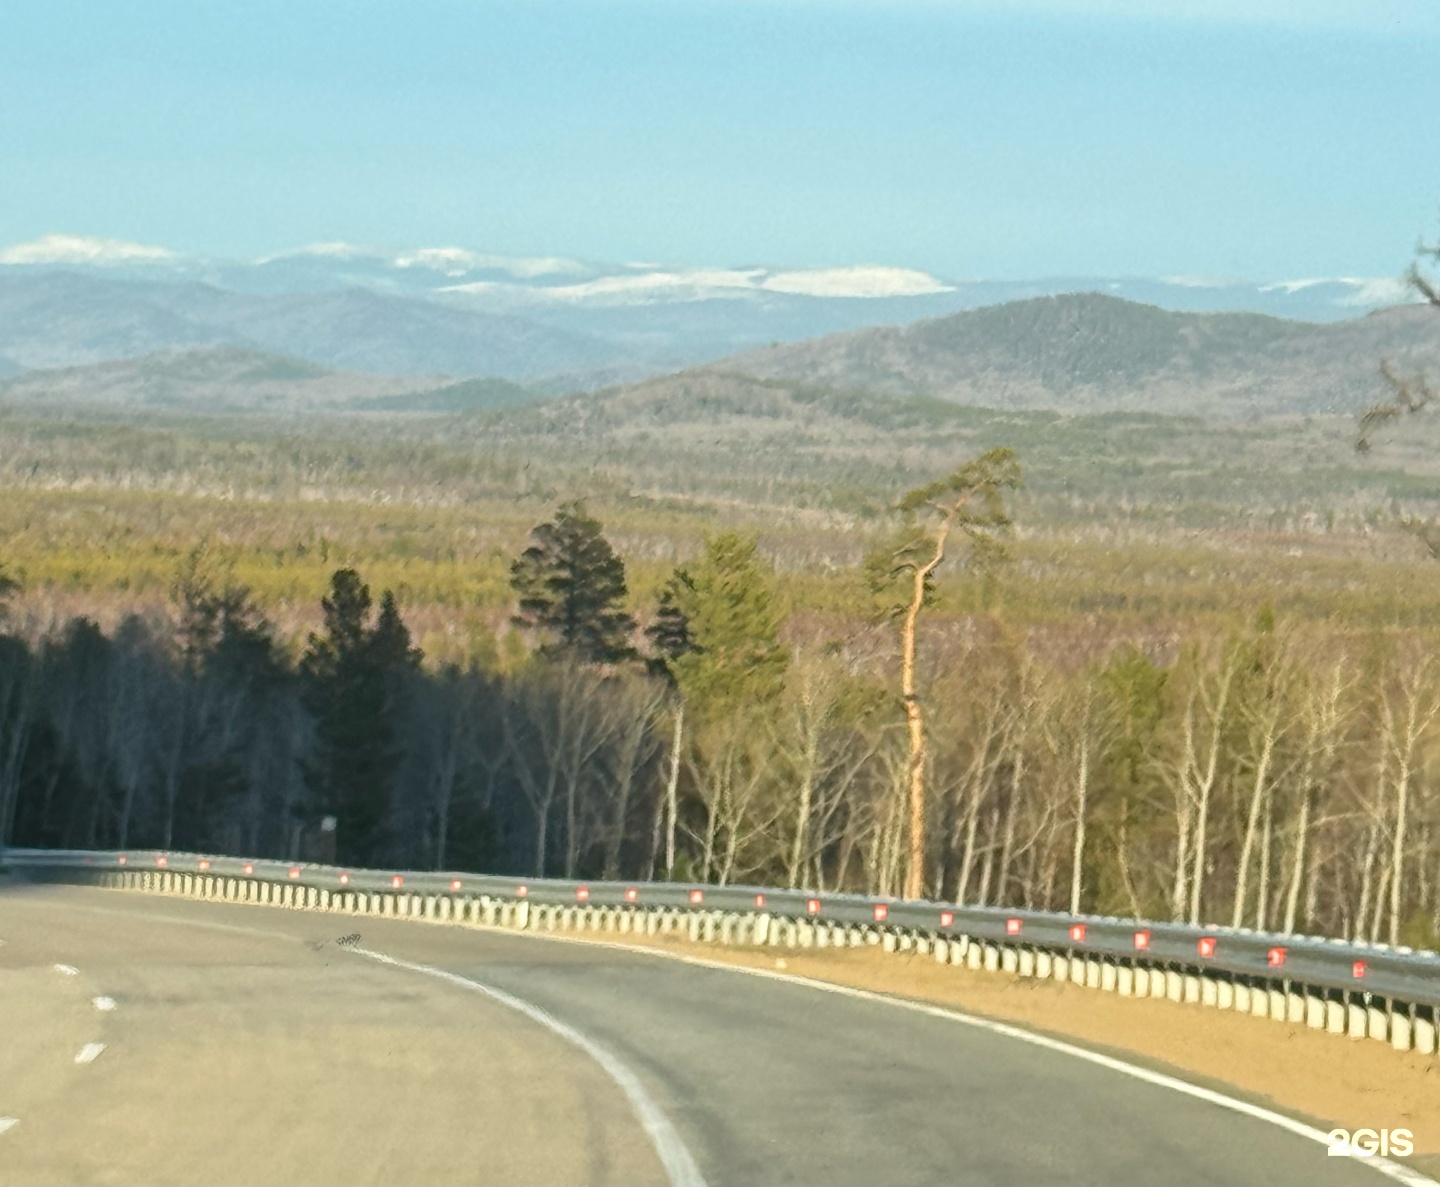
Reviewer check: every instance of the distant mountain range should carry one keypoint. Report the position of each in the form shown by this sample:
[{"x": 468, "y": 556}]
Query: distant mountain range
[
  {"x": 566, "y": 323},
  {"x": 1074, "y": 354},
  {"x": 1082, "y": 353},
  {"x": 208, "y": 379}
]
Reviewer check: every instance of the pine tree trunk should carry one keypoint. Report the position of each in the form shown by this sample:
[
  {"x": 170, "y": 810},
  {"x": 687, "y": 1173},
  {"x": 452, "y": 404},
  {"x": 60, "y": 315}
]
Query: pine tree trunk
[{"x": 914, "y": 718}]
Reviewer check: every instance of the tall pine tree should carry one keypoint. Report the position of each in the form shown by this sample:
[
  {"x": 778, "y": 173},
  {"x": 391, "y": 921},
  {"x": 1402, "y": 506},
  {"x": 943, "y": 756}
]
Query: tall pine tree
[
  {"x": 354, "y": 687},
  {"x": 571, "y": 589}
]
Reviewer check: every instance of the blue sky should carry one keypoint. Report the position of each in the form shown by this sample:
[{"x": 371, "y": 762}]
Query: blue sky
[{"x": 971, "y": 139}]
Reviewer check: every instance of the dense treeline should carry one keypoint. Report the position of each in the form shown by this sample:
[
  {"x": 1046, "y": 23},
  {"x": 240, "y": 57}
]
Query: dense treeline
[{"x": 1278, "y": 777}]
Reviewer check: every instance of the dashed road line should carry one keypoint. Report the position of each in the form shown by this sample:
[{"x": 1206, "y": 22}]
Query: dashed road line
[
  {"x": 103, "y": 1003},
  {"x": 68, "y": 969},
  {"x": 89, "y": 1052},
  {"x": 8, "y": 1123}
]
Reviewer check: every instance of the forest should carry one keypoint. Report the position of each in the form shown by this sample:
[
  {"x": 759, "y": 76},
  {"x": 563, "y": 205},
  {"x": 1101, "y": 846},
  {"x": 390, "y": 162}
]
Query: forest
[
  {"x": 1175, "y": 669},
  {"x": 1277, "y": 772}
]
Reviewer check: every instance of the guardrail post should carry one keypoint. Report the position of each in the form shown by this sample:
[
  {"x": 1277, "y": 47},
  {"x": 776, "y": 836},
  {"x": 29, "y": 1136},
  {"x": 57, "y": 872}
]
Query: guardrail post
[
  {"x": 1125, "y": 980},
  {"x": 1009, "y": 960},
  {"x": 1109, "y": 976},
  {"x": 1355, "y": 1017},
  {"x": 1423, "y": 1029},
  {"x": 1400, "y": 1028},
  {"x": 1376, "y": 1019},
  {"x": 1209, "y": 990}
]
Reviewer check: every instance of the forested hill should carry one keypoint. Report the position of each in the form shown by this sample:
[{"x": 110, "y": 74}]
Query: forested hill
[
  {"x": 207, "y": 379},
  {"x": 1091, "y": 353}
]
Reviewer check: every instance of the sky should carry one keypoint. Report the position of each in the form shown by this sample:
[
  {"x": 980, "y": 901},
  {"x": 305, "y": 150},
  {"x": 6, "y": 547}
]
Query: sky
[{"x": 968, "y": 138}]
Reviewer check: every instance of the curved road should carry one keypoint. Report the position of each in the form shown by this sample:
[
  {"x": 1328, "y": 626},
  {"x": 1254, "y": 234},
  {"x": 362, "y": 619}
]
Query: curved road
[{"x": 163, "y": 1040}]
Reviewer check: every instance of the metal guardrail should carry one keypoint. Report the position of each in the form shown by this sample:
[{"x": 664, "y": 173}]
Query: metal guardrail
[{"x": 1396, "y": 975}]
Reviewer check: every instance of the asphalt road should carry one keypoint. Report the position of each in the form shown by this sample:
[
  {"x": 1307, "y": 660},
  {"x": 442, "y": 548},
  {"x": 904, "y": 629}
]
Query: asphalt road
[{"x": 243, "y": 1044}]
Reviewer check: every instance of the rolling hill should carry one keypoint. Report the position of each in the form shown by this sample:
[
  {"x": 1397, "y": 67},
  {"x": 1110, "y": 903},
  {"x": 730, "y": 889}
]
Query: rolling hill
[{"x": 1091, "y": 352}]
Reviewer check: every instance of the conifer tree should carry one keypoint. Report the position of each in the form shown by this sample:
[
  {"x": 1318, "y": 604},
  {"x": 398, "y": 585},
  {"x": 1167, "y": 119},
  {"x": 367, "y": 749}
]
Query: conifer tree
[
  {"x": 970, "y": 504},
  {"x": 734, "y": 658},
  {"x": 571, "y": 589},
  {"x": 354, "y": 684}
]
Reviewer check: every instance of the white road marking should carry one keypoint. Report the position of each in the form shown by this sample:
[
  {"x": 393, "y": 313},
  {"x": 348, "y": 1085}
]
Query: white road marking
[
  {"x": 674, "y": 1155},
  {"x": 103, "y": 1003},
  {"x": 68, "y": 969},
  {"x": 1386, "y": 1166},
  {"x": 89, "y": 1052},
  {"x": 8, "y": 1123}
]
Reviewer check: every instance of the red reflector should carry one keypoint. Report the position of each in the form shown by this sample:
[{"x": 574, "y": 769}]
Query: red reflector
[
  {"x": 521, "y": 891},
  {"x": 582, "y": 893},
  {"x": 631, "y": 894},
  {"x": 1142, "y": 939},
  {"x": 1358, "y": 969},
  {"x": 122, "y": 859},
  {"x": 294, "y": 871},
  {"x": 204, "y": 865},
  {"x": 249, "y": 869},
  {"x": 344, "y": 879},
  {"x": 455, "y": 885},
  {"x": 697, "y": 896},
  {"x": 1275, "y": 957},
  {"x": 812, "y": 906},
  {"x": 881, "y": 911},
  {"x": 162, "y": 860},
  {"x": 1206, "y": 946},
  {"x": 397, "y": 880},
  {"x": 1012, "y": 927},
  {"x": 947, "y": 918},
  {"x": 1077, "y": 932},
  {"x": 759, "y": 900}
]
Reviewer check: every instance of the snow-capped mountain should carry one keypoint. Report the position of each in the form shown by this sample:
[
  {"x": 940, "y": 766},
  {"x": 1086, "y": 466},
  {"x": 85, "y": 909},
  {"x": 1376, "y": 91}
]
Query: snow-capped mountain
[{"x": 75, "y": 299}]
